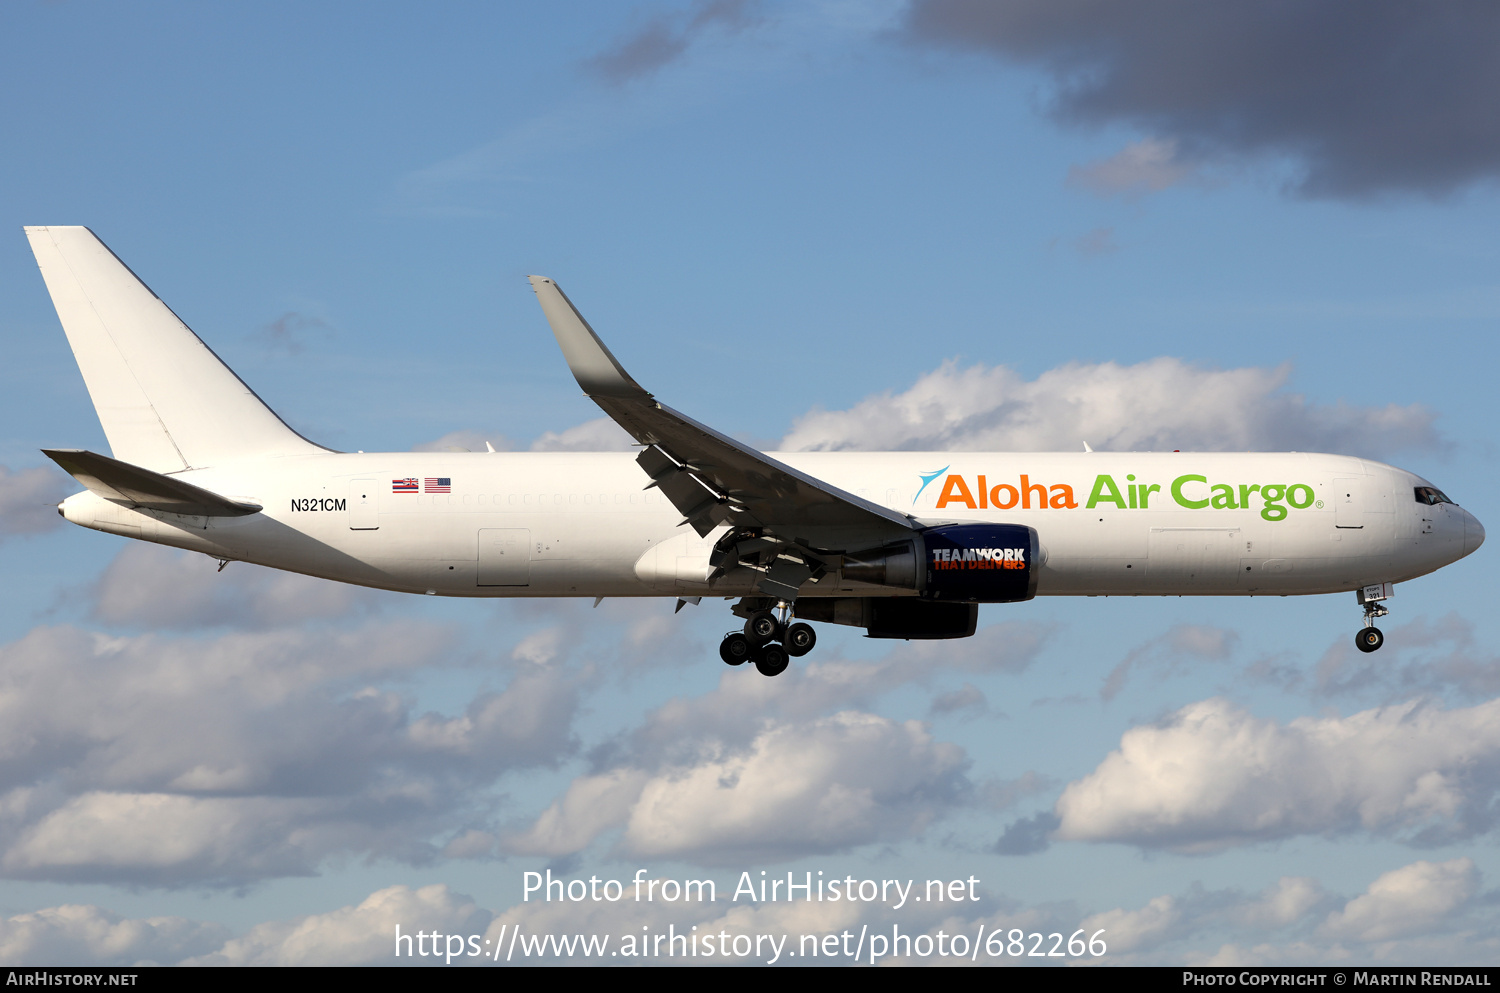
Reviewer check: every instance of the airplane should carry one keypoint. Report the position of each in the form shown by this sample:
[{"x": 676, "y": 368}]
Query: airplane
[{"x": 902, "y": 544}]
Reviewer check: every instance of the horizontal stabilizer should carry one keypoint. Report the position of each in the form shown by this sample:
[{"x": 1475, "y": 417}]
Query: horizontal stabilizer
[{"x": 121, "y": 482}]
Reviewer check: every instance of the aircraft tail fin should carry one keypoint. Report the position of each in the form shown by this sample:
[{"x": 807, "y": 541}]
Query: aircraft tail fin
[{"x": 166, "y": 401}]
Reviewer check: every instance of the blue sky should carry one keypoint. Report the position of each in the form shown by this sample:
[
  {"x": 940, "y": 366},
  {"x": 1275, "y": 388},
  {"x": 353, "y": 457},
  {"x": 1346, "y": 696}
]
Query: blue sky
[{"x": 838, "y": 224}]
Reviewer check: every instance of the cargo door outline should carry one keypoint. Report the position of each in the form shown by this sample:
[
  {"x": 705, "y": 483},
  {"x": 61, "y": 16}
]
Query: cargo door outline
[
  {"x": 1348, "y": 502},
  {"x": 1205, "y": 558},
  {"x": 504, "y": 557}
]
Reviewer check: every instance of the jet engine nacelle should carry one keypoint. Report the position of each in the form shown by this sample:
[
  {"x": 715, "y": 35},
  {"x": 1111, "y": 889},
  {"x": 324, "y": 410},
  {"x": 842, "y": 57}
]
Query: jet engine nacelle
[
  {"x": 967, "y": 563},
  {"x": 980, "y": 563}
]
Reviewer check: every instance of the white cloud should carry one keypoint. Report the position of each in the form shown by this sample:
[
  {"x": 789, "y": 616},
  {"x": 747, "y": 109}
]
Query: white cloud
[
  {"x": 128, "y": 836},
  {"x": 1412, "y": 900},
  {"x": 1159, "y": 405},
  {"x": 360, "y": 935},
  {"x": 1417, "y": 914},
  {"x": 591, "y": 806},
  {"x": 1289, "y": 900},
  {"x": 159, "y": 761},
  {"x": 466, "y": 440},
  {"x": 1213, "y": 776},
  {"x": 822, "y": 786},
  {"x": 85, "y": 935},
  {"x": 777, "y": 768},
  {"x": 1129, "y": 930},
  {"x": 734, "y": 712},
  {"x": 828, "y": 786},
  {"x": 599, "y": 435}
]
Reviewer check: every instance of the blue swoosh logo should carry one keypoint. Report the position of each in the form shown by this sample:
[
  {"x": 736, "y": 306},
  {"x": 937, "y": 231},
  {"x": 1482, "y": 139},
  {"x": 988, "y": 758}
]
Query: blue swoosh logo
[{"x": 928, "y": 477}]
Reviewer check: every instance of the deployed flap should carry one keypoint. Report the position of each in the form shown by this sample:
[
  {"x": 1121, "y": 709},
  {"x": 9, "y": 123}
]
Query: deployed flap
[
  {"x": 121, "y": 482},
  {"x": 165, "y": 400},
  {"x": 711, "y": 478}
]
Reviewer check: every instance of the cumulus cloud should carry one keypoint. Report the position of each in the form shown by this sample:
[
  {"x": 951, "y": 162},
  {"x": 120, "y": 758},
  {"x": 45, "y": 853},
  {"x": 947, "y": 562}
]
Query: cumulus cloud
[
  {"x": 799, "y": 789},
  {"x": 1213, "y": 776},
  {"x": 153, "y": 586},
  {"x": 827, "y": 786},
  {"x": 1419, "y": 913},
  {"x": 666, "y": 38},
  {"x": 85, "y": 935},
  {"x": 1413, "y": 903},
  {"x": 466, "y": 440},
  {"x": 1129, "y": 930},
  {"x": 359, "y": 935},
  {"x": 1160, "y": 405},
  {"x": 734, "y": 712},
  {"x": 777, "y": 769},
  {"x": 1385, "y": 97},
  {"x": 160, "y": 761},
  {"x": 1408, "y": 901},
  {"x": 29, "y": 499},
  {"x": 598, "y": 435}
]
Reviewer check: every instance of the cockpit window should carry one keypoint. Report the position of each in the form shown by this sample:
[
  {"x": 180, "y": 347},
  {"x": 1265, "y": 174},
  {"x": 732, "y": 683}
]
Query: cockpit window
[{"x": 1431, "y": 495}]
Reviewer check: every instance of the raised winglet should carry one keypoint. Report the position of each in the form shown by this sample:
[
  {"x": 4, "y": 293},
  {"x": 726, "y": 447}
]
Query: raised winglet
[{"x": 593, "y": 365}]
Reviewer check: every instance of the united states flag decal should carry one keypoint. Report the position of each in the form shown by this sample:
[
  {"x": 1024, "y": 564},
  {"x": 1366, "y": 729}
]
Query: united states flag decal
[
  {"x": 407, "y": 485},
  {"x": 438, "y": 484}
]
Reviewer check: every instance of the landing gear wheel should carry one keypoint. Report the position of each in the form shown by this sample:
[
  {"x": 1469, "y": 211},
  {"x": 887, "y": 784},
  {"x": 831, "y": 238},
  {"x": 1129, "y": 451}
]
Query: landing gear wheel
[
  {"x": 800, "y": 639},
  {"x": 736, "y": 648},
  {"x": 773, "y": 660},
  {"x": 1369, "y": 639},
  {"x": 762, "y": 627}
]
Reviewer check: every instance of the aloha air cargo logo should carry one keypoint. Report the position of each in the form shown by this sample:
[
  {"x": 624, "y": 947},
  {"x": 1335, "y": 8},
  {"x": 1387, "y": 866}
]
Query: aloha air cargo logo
[
  {"x": 978, "y": 558},
  {"x": 1189, "y": 492}
]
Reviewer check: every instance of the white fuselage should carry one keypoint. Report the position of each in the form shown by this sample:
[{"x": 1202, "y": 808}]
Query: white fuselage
[{"x": 580, "y": 524}]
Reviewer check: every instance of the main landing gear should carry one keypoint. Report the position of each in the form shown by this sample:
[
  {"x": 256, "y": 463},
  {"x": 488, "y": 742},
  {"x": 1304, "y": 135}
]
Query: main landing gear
[
  {"x": 768, "y": 641},
  {"x": 1369, "y": 638}
]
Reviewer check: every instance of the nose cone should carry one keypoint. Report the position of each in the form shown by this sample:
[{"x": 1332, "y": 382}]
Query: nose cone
[{"x": 1473, "y": 533}]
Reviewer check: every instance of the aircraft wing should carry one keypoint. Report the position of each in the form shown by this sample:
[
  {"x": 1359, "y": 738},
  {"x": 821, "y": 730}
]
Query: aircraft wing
[
  {"x": 711, "y": 478},
  {"x": 133, "y": 486}
]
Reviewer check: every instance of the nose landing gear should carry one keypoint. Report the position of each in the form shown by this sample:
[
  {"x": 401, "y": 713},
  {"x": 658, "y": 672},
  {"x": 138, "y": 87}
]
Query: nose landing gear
[{"x": 1369, "y": 638}]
